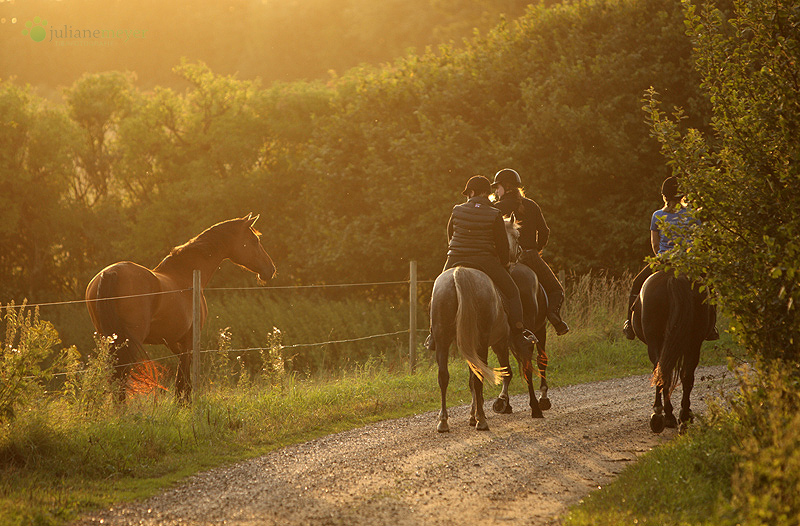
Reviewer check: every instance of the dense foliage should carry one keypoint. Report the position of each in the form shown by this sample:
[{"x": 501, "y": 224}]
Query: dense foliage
[
  {"x": 743, "y": 178},
  {"x": 356, "y": 176}
]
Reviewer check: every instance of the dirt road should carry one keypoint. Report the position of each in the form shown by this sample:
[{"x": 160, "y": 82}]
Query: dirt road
[{"x": 402, "y": 472}]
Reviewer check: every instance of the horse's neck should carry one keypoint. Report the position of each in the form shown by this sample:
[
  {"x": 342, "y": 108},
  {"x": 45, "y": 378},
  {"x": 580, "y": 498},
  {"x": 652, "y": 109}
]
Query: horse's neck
[{"x": 181, "y": 267}]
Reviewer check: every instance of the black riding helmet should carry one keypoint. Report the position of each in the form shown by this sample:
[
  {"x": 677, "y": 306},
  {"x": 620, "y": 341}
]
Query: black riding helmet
[{"x": 508, "y": 178}]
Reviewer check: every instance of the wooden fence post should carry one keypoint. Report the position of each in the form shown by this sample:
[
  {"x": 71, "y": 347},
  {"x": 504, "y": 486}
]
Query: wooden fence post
[
  {"x": 412, "y": 315},
  {"x": 196, "y": 309}
]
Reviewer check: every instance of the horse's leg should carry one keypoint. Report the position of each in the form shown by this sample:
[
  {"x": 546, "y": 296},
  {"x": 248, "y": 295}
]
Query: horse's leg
[
  {"x": 477, "y": 393},
  {"x": 476, "y": 385},
  {"x": 183, "y": 378},
  {"x": 657, "y": 423},
  {"x": 442, "y": 351},
  {"x": 687, "y": 379},
  {"x": 503, "y": 404},
  {"x": 669, "y": 417},
  {"x": 526, "y": 368},
  {"x": 473, "y": 409},
  {"x": 541, "y": 363}
]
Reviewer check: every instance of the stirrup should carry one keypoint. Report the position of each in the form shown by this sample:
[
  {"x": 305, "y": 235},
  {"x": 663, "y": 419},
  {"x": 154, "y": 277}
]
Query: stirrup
[
  {"x": 528, "y": 335},
  {"x": 627, "y": 330}
]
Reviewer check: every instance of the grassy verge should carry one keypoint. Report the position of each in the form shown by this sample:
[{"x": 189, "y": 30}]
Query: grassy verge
[
  {"x": 683, "y": 482},
  {"x": 739, "y": 465}
]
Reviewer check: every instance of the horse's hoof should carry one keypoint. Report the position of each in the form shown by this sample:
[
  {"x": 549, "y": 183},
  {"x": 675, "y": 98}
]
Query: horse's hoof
[
  {"x": 536, "y": 413},
  {"x": 686, "y": 416},
  {"x": 670, "y": 421},
  {"x": 683, "y": 428},
  {"x": 472, "y": 421},
  {"x": 443, "y": 427},
  {"x": 657, "y": 422},
  {"x": 501, "y": 405},
  {"x": 544, "y": 403},
  {"x": 482, "y": 425}
]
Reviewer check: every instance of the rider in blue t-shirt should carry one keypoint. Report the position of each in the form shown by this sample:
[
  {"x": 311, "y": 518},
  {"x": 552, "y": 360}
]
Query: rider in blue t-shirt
[
  {"x": 674, "y": 213},
  {"x": 679, "y": 218}
]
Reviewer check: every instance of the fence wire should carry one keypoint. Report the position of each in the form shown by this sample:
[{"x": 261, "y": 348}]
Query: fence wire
[{"x": 210, "y": 289}]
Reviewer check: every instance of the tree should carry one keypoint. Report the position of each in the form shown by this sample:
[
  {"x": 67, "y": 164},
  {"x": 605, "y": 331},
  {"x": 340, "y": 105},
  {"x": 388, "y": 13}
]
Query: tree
[
  {"x": 36, "y": 145},
  {"x": 744, "y": 178}
]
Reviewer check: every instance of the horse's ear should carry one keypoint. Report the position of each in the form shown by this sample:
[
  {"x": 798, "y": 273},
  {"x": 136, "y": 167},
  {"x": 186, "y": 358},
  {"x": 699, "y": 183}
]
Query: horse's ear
[
  {"x": 513, "y": 219},
  {"x": 251, "y": 219}
]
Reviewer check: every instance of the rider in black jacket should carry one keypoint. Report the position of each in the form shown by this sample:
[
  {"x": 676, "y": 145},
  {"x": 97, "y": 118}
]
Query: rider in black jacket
[
  {"x": 477, "y": 239},
  {"x": 533, "y": 236}
]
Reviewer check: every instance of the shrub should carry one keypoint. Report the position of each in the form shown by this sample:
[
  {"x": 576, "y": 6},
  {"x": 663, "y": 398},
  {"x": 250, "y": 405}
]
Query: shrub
[{"x": 30, "y": 358}]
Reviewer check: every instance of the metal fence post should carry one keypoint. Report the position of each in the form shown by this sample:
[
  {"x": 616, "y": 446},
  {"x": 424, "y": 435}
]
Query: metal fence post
[
  {"x": 196, "y": 310},
  {"x": 412, "y": 315}
]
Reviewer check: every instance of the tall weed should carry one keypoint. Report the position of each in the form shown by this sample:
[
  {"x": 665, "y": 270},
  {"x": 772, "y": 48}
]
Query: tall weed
[{"x": 30, "y": 357}]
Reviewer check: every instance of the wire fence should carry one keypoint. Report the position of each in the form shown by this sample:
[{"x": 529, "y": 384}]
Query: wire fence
[{"x": 411, "y": 330}]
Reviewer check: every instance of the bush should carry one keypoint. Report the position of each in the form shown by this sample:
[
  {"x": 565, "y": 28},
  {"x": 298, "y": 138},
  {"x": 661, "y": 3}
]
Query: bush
[
  {"x": 30, "y": 357},
  {"x": 766, "y": 482}
]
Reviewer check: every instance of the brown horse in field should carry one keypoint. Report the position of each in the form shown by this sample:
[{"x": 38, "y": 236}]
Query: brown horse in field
[{"x": 143, "y": 306}]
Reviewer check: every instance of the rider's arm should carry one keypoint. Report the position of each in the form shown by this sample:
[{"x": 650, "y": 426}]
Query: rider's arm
[
  {"x": 501, "y": 240},
  {"x": 506, "y": 206},
  {"x": 450, "y": 228},
  {"x": 542, "y": 230},
  {"x": 655, "y": 241}
]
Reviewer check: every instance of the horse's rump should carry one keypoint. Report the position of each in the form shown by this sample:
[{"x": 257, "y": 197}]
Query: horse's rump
[
  {"x": 106, "y": 307},
  {"x": 479, "y": 310},
  {"x": 683, "y": 329}
]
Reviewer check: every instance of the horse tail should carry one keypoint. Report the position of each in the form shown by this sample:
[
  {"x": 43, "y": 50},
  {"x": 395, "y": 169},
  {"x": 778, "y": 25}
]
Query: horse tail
[
  {"x": 678, "y": 331},
  {"x": 468, "y": 336}
]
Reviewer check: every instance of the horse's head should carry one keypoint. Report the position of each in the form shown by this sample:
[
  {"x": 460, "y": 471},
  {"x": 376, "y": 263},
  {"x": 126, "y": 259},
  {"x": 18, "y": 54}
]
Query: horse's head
[
  {"x": 248, "y": 252},
  {"x": 512, "y": 231}
]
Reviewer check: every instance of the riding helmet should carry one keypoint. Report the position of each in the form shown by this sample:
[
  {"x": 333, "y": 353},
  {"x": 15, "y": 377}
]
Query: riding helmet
[
  {"x": 508, "y": 178},
  {"x": 669, "y": 188},
  {"x": 478, "y": 184}
]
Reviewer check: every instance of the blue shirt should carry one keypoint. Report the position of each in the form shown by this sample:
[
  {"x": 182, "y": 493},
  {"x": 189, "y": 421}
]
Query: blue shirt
[{"x": 681, "y": 219}]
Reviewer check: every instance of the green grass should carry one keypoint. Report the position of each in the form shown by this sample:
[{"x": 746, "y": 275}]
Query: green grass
[
  {"x": 684, "y": 482},
  {"x": 59, "y": 458}
]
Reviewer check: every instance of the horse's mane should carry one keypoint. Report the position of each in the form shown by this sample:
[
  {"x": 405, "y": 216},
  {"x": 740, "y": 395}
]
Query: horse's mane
[{"x": 205, "y": 242}]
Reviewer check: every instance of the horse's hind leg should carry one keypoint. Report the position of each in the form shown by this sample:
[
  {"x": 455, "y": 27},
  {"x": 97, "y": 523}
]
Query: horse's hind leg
[
  {"x": 657, "y": 418},
  {"x": 669, "y": 417},
  {"x": 687, "y": 380},
  {"x": 183, "y": 378},
  {"x": 541, "y": 363},
  {"x": 444, "y": 380},
  {"x": 527, "y": 373},
  {"x": 477, "y": 414},
  {"x": 503, "y": 404}
]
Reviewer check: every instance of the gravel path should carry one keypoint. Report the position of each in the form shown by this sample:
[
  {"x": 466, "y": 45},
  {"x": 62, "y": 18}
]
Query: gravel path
[{"x": 402, "y": 472}]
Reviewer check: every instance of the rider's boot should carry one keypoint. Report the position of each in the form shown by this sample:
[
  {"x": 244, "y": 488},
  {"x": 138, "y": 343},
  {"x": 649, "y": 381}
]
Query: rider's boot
[
  {"x": 627, "y": 327},
  {"x": 554, "y": 315}
]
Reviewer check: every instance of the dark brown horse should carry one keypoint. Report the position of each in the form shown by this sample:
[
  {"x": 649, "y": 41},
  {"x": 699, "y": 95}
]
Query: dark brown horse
[
  {"x": 143, "y": 306},
  {"x": 673, "y": 318},
  {"x": 534, "y": 308}
]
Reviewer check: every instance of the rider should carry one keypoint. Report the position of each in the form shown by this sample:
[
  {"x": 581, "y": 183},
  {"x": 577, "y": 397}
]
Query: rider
[
  {"x": 674, "y": 213},
  {"x": 533, "y": 236},
  {"x": 477, "y": 239}
]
